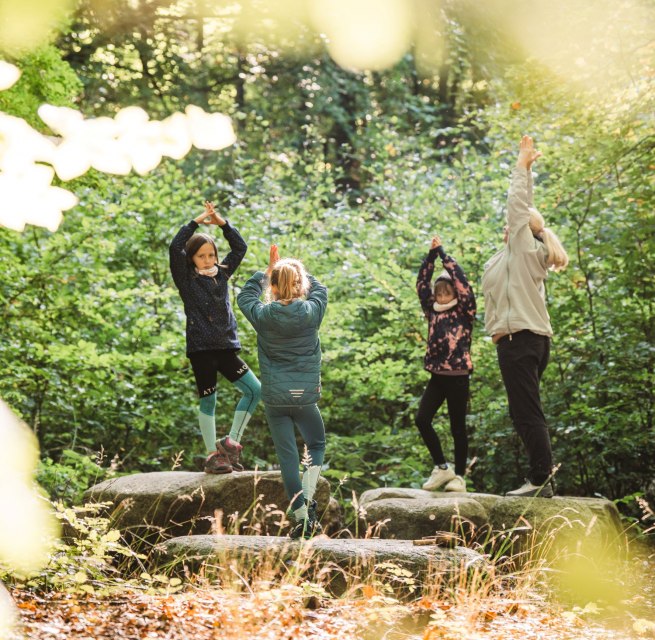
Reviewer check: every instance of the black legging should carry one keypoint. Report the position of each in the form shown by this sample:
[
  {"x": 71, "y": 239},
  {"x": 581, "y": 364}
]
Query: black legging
[
  {"x": 455, "y": 390},
  {"x": 522, "y": 360}
]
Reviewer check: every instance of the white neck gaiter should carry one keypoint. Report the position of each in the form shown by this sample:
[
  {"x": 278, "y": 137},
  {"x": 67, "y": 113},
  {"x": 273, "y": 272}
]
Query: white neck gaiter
[
  {"x": 208, "y": 272},
  {"x": 445, "y": 307}
]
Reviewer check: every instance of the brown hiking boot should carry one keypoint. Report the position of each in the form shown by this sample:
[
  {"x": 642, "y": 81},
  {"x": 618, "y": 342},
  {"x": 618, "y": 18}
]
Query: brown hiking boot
[
  {"x": 217, "y": 462},
  {"x": 232, "y": 450}
]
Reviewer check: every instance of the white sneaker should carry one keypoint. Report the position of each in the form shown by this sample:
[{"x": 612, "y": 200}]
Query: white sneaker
[
  {"x": 529, "y": 490},
  {"x": 438, "y": 478},
  {"x": 456, "y": 484}
]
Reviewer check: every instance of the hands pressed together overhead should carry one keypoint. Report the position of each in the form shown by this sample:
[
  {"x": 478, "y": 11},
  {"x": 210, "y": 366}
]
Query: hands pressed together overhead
[
  {"x": 436, "y": 242},
  {"x": 210, "y": 216}
]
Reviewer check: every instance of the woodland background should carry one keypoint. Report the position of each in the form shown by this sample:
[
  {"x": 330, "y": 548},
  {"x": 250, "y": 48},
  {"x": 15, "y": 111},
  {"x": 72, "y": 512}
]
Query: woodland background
[{"x": 353, "y": 172}]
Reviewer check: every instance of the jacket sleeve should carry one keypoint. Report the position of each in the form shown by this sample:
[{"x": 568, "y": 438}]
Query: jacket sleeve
[
  {"x": 238, "y": 248},
  {"x": 519, "y": 200},
  {"x": 530, "y": 189},
  {"x": 248, "y": 299},
  {"x": 424, "y": 282},
  {"x": 317, "y": 299},
  {"x": 177, "y": 254},
  {"x": 465, "y": 295}
]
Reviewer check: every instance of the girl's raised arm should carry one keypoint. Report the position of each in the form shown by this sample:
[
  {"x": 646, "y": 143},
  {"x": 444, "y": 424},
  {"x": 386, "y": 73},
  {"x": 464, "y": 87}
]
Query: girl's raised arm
[
  {"x": 424, "y": 278},
  {"x": 519, "y": 198}
]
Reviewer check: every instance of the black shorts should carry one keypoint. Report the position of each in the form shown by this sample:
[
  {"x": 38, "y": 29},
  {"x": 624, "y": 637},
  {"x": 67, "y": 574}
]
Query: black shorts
[{"x": 207, "y": 365}]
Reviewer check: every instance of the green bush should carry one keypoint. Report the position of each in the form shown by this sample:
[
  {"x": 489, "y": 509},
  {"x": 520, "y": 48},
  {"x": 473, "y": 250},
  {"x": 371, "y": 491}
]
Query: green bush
[{"x": 67, "y": 479}]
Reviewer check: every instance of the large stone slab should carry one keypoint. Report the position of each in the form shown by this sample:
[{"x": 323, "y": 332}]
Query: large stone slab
[
  {"x": 174, "y": 503},
  {"x": 564, "y": 524},
  {"x": 561, "y": 524},
  {"x": 409, "y": 514},
  {"x": 344, "y": 562}
]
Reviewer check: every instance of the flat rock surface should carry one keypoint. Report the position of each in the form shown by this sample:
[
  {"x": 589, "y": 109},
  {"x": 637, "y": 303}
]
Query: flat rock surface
[
  {"x": 176, "y": 503},
  {"x": 401, "y": 513},
  {"x": 344, "y": 557}
]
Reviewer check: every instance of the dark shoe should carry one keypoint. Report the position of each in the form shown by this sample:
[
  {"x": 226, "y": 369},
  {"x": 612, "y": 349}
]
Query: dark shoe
[
  {"x": 232, "y": 451},
  {"x": 217, "y": 463},
  {"x": 309, "y": 527},
  {"x": 529, "y": 490},
  {"x": 306, "y": 529}
]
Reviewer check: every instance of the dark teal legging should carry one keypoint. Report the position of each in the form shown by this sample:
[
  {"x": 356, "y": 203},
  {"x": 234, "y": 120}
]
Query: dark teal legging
[{"x": 281, "y": 422}]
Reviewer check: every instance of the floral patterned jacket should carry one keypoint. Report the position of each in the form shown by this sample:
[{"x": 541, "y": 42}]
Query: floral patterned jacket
[{"x": 449, "y": 332}]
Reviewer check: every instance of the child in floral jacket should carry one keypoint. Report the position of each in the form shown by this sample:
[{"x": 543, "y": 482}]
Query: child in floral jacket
[{"x": 450, "y": 309}]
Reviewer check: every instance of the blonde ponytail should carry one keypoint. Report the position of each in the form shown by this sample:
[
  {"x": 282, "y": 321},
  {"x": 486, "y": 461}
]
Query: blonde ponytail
[
  {"x": 557, "y": 258},
  {"x": 290, "y": 279}
]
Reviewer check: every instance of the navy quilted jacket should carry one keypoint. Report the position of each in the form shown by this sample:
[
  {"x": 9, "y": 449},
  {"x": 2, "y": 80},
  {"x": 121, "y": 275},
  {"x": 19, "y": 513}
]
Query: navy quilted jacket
[
  {"x": 210, "y": 321},
  {"x": 449, "y": 332}
]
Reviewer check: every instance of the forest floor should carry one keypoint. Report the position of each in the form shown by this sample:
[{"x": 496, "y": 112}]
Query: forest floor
[{"x": 304, "y": 611}]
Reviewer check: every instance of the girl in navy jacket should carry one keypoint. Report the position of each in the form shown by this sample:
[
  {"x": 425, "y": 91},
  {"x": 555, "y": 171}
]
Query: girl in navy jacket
[
  {"x": 449, "y": 308},
  {"x": 212, "y": 343}
]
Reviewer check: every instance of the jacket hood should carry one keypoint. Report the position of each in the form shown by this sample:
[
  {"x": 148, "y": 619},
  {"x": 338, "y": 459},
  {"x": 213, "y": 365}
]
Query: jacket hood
[{"x": 289, "y": 318}]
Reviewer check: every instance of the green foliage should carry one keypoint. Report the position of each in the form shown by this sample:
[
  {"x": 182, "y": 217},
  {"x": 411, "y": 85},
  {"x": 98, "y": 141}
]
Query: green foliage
[
  {"x": 82, "y": 558},
  {"x": 69, "y": 478},
  {"x": 353, "y": 174},
  {"x": 45, "y": 78},
  {"x": 91, "y": 558}
]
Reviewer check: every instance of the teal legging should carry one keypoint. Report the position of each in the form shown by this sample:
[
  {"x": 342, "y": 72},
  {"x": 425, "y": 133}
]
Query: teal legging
[
  {"x": 250, "y": 387},
  {"x": 281, "y": 422}
]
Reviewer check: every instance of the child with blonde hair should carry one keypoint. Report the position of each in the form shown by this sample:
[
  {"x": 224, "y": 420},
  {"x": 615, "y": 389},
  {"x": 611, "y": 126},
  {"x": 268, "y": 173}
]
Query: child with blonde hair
[
  {"x": 290, "y": 364},
  {"x": 517, "y": 319}
]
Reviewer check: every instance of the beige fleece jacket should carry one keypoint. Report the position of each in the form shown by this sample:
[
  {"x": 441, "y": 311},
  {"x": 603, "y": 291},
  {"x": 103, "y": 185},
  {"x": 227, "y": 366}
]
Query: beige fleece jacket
[{"x": 513, "y": 279}]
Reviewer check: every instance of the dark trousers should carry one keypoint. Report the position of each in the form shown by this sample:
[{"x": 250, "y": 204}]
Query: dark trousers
[
  {"x": 522, "y": 361},
  {"x": 454, "y": 390}
]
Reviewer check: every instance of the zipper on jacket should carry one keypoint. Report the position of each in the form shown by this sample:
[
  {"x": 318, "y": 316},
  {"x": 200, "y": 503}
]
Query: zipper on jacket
[{"x": 509, "y": 330}]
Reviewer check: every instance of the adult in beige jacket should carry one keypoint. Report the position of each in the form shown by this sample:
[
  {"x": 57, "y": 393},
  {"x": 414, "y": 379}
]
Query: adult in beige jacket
[{"x": 517, "y": 319}]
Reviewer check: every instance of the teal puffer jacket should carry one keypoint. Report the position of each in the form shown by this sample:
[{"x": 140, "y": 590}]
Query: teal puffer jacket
[{"x": 288, "y": 343}]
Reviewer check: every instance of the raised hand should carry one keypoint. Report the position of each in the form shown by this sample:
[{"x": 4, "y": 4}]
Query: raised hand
[
  {"x": 212, "y": 215},
  {"x": 273, "y": 258},
  {"x": 527, "y": 153},
  {"x": 436, "y": 242}
]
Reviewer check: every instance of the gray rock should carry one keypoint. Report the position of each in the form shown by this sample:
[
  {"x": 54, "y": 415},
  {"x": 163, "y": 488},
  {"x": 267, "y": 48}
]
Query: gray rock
[
  {"x": 411, "y": 519},
  {"x": 398, "y": 563},
  {"x": 505, "y": 524},
  {"x": 561, "y": 524},
  {"x": 174, "y": 503},
  {"x": 487, "y": 500}
]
